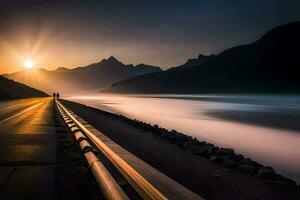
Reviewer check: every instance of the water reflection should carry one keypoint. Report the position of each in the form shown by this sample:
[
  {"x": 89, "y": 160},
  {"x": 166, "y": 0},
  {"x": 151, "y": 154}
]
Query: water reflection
[{"x": 263, "y": 127}]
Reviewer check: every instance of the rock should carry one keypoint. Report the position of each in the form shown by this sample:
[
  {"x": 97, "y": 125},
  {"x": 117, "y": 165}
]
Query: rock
[
  {"x": 266, "y": 173},
  {"x": 202, "y": 148},
  {"x": 286, "y": 180},
  {"x": 156, "y": 130},
  {"x": 181, "y": 140},
  {"x": 160, "y": 132},
  {"x": 196, "y": 149},
  {"x": 237, "y": 158},
  {"x": 246, "y": 160},
  {"x": 188, "y": 145},
  {"x": 216, "y": 159},
  {"x": 180, "y": 143},
  {"x": 211, "y": 149},
  {"x": 172, "y": 138},
  {"x": 224, "y": 152},
  {"x": 281, "y": 184},
  {"x": 176, "y": 137},
  {"x": 189, "y": 138},
  {"x": 165, "y": 135},
  {"x": 249, "y": 168},
  {"x": 230, "y": 163}
]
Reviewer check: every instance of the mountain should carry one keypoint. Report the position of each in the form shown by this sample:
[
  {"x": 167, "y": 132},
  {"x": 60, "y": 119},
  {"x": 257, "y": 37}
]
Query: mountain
[
  {"x": 10, "y": 89},
  {"x": 81, "y": 80},
  {"x": 270, "y": 64},
  {"x": 141, "y": 69},
  {"x": 194, "y": 61}
]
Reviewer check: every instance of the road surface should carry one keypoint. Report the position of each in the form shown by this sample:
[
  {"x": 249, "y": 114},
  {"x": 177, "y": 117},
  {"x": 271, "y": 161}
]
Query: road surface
[{"x": 27, "y": 149}]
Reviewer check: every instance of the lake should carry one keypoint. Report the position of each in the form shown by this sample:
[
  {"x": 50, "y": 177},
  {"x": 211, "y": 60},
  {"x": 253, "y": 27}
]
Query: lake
[{"x": 265, "y": 128}]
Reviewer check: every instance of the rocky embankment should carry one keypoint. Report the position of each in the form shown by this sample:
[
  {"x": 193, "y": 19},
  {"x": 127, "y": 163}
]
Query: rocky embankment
[{"x": 219, "y": 155}]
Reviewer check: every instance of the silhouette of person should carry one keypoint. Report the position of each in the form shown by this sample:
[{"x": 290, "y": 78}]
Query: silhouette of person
[
  {"x": 57, "y": 95},
  {"x": 54, "y": 95}
]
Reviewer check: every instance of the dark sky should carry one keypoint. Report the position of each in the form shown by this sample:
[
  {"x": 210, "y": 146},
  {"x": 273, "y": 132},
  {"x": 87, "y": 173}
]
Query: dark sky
[{"x": 75, "y": 33}]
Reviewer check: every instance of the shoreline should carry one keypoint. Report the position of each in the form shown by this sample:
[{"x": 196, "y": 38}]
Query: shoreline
[{"x": 212, "y": 156}]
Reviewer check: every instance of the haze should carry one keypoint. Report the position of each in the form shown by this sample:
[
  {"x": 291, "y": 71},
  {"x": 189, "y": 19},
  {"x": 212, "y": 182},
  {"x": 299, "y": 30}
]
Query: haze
[{"x": 68, "y": 34}]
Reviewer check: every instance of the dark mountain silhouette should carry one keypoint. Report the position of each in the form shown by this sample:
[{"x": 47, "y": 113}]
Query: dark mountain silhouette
[
  {"x": 194, "y": 62},
  {"x": 270, "y": 64},
  {"x": 141, "y": 69},
  {"x": 81, "y": 80},
  {"x": 10, "y": 89}
]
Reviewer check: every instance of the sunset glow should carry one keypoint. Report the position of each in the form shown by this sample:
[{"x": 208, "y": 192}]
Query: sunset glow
[
  {"x": 90, "y": 32},
  {"x": 28, "y": 64}
]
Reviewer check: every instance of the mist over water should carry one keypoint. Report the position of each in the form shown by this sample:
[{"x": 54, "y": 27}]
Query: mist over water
[{"x": 265, "y": 128}]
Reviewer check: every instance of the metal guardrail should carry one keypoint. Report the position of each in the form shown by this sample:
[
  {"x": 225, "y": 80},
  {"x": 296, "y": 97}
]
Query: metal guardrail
[
  {"x": 145, "y": 189},
  {"x": 108, "y": 185}
]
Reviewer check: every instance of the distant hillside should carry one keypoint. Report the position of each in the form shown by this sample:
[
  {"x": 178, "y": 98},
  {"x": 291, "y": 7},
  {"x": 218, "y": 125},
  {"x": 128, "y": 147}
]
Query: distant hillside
[
  {"x": 270, "y": 64},
  {"x": 81, "y": 80},
  {"x": 10, "y": 89},
  {"x": 194, "y": 62}
]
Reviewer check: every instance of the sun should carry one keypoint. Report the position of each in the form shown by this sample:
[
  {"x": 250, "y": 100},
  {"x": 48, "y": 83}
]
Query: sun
[{"x": 28, "y": 64}]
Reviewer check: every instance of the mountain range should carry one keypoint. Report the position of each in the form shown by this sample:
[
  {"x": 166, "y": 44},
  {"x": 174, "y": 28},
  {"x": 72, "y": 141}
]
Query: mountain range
[
  {"x": 81, "y": 80},
  {"x": 270, "y": 64},
  {"x": 10, "y": 89}
]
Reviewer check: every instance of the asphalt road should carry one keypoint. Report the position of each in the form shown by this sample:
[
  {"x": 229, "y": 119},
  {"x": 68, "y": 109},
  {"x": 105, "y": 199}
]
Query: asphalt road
[{"x": 27, "y": 149}]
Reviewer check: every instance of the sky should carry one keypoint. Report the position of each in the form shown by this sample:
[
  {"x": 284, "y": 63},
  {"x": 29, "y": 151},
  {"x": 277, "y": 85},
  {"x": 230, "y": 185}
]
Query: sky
[{"x": 165, "y": 33}]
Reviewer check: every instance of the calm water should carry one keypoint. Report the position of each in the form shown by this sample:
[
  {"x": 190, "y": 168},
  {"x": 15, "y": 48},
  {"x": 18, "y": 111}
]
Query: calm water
[{"x": 263, "y": 127}]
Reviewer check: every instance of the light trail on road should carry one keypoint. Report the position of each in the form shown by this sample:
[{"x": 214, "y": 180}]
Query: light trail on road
[{"x": 20, "y": 113}]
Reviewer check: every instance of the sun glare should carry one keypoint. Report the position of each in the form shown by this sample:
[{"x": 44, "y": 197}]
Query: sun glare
[{"x": 28, "y": 64}]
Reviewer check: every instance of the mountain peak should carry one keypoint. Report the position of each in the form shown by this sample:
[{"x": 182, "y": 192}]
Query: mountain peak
[
  {"x": 111, "y": 60},
  {"x": 62, "y": 69},
  {"x": 194, "y": 61},
  {"x": 290, "y": 31}
]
